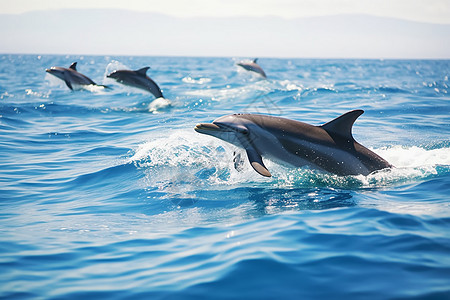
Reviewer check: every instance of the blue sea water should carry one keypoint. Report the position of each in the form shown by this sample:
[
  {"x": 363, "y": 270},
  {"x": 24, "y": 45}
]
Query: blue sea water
[{"x": 107, "y": 194}]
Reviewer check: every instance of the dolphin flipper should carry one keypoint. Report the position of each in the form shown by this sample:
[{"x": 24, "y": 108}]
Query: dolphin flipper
[
  {"x": 67, "y": 81},
  {"x": 256, "y": 161}
]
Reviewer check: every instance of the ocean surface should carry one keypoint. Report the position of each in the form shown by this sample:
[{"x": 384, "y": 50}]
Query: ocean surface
[{"x": 111, "y": 194}]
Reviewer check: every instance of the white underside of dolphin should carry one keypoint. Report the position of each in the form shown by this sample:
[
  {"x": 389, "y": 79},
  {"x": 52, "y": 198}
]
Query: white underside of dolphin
[{"x": 329, "y": 147}]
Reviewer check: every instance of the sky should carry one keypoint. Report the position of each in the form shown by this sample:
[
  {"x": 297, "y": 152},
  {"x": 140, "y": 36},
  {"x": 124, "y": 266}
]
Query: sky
[
  {"x": 265, "y": 28},
  {"x": 429, "y": 11}
]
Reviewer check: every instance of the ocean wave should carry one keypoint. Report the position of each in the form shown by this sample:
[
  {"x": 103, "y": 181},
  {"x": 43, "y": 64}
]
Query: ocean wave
[{"x": 346, "y": 253}]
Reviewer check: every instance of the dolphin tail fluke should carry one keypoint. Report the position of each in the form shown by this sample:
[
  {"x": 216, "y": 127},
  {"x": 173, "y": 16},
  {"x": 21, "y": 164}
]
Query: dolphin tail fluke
[{"x": 257, "y": 163}]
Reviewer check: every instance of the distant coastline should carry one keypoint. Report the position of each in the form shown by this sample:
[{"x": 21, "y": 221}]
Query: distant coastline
[{"x": 123, "y": 32}]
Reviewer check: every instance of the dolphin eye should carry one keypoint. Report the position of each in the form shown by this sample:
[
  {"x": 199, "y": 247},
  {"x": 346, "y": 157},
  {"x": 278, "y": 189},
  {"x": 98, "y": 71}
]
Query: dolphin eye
[{"x": 244, "y": 131}]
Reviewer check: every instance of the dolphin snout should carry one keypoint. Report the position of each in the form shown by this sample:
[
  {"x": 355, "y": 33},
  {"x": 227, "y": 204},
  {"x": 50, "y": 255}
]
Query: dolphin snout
[
  {"x": 113, "y": 74},
  {"x": 51, "y": 70},
  {"x": 201, "y": 127}
]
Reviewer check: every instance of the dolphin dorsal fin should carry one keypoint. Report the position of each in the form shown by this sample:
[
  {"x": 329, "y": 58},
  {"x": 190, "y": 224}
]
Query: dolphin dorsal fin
[
  {"x": 343, "y": 125},
  {"x": 255, "y": 60},
  {"x": 143, "y": 71},
  {"x": 73, "y": 66}
]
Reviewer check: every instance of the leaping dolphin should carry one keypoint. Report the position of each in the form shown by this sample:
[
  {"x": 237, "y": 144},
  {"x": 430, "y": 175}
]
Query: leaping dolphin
[
  {"x": 138, "y": 79},
  {"x": 329, "y": 147},
  {"x": 252, "y": 66},
  {"x": 71, "y": 76}
]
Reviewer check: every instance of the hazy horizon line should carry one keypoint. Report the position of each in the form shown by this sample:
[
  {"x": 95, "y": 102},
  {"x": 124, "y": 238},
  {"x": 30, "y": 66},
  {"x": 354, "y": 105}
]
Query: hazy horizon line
[{"x": 218, "y": 56}]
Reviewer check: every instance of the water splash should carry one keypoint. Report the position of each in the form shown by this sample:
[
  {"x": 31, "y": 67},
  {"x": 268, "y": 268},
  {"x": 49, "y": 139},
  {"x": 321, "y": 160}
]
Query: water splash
[{"x": 199, "y": 80}]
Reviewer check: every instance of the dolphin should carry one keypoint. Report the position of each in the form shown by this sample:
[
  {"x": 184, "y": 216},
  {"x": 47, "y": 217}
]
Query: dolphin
[
  {"x": 329, "y": 147},
  {"x": 252, "y": 66},
  {"x": 138, "y": 79},
  {"x": 71, "y": 76}
]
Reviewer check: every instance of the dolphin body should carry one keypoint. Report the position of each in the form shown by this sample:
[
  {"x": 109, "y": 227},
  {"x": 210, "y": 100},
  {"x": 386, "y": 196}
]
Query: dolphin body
[
  {"x": 71, "y": 76},
  {"x": 252, "y": 66},
  {"x": 329, "y": 147},
  {"x": 138, "y": 79}
]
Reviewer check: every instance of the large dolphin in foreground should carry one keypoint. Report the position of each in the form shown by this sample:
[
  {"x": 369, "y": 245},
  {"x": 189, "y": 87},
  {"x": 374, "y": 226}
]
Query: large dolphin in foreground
[
  {"x": 71, "y": 76},
  {"x": 329, "y": 147},
  {"x": 252, "y": 66},
  {"x": 138, "y": 79}
]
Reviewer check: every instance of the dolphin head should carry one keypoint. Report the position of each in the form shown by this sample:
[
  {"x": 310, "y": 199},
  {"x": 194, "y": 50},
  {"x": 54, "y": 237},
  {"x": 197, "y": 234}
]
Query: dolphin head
[
  {"x": 246, "y": 65},
  {"x": 232, "y": 129},
  {"x": 122, "y": 76},
  {"x": 114, "y": 75},
  {"x": 235, "y": 129},
  {"x": 56, "y": 71}
]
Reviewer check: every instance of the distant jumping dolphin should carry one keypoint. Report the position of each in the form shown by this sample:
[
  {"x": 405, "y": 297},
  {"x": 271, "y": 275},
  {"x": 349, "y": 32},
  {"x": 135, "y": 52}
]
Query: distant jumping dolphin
[
  {"x": 252, "y": 66},
  {"x": 71, "y": 76},
  {"x": 138, "y": 79},
  {"x": 329, "y": 147}
]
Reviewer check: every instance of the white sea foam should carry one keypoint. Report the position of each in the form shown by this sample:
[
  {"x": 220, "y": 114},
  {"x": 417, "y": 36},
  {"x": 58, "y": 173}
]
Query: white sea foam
[
  {"x": 159, "y": 104},
  {"x": 201, "y": 80},
  {"x": 226, "y": 93},
  {"x": 290, "y": 85},
  {"x": 414, "y": 157},
  {"x": 92, "y": 88}
]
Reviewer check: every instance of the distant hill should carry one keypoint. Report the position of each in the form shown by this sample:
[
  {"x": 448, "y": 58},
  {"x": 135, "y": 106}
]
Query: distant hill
[{"x": 119, "y": 32}]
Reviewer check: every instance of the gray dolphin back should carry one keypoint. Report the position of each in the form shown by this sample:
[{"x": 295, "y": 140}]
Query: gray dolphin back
[{"x": 137, "y": 79}]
